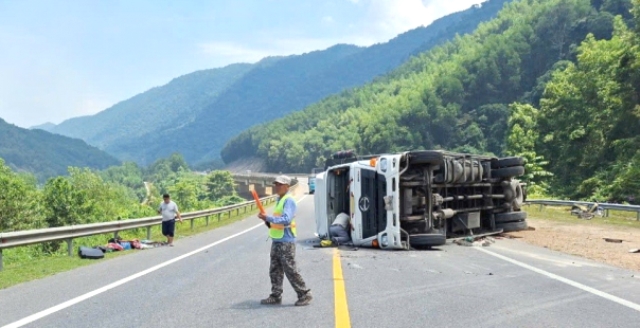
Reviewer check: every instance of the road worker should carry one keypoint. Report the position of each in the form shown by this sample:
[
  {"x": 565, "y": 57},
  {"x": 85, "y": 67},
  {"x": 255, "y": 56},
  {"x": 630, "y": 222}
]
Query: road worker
[
  {"x": 339, "y": 229},
  {"x": 282, "y": 230}
]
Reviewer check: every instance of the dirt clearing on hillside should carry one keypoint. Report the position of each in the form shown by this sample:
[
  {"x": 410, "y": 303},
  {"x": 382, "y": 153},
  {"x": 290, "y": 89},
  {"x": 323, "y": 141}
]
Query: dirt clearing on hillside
[{"x": 584, "y": 238}]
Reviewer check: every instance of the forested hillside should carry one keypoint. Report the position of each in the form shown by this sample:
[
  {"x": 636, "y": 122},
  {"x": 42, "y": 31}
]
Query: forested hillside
[
  {"x": 45, "y": 154},
  {"x": 588, "y": 122},
  {"x": 480, "y": 91},
  {"x": 198, "y": 113}
]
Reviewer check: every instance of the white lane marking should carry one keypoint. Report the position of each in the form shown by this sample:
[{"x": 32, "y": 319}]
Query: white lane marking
[
  {"x": 569, "y": 282},
  {"x": 98, "y": 291}
]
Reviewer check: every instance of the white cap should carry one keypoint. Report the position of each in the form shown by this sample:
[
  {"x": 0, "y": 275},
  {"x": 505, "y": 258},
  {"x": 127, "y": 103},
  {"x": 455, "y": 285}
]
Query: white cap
[{"x": 283, "y": 179}]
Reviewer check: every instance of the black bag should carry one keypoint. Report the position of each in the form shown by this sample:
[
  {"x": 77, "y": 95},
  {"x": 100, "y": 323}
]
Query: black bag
[{"x": 90, "y": 253}]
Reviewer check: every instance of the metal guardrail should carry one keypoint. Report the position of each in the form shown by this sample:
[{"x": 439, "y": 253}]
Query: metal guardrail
[
  {"x": 68, "y": 233},
  {"x": 259, "y": 178},
  {"x": 605, "y": 206}
]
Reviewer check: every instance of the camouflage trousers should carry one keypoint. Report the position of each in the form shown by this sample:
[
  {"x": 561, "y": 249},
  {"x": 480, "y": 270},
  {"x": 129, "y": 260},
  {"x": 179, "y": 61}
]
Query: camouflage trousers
[{"x": 283, "y": 261}]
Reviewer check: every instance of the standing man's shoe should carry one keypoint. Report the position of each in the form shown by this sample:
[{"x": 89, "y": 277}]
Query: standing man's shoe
[
  {"x": 304, "y": 300},
  {"x": 271, "y": 300}
]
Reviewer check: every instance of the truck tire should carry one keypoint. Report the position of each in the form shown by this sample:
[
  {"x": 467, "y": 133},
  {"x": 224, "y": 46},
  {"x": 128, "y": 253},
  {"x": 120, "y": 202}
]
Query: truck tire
[
  {"x": 510, "y": 217},
  {"x": 519, "y": 195},
  {"x": 426, "y": 157},
  {"x": 508, "y": 172},
  {"x": 512, "y": 226},
  {"x": 507, "y": 162},
  {"x": 427, "y": 240}
]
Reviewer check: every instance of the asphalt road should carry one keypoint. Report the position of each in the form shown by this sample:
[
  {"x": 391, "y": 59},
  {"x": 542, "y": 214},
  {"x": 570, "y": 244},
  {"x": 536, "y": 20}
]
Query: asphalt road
[{"x": 216, "y": 279}]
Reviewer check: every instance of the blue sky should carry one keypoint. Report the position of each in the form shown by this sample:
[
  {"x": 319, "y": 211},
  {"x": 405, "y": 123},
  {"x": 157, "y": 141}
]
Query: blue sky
[{"x": 68, "y": 58}]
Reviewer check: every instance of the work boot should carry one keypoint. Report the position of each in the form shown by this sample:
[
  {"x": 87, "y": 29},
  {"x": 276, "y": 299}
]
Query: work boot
[
  {"x": 271, "y": 300},
  {"x": 304, "y": 299}
]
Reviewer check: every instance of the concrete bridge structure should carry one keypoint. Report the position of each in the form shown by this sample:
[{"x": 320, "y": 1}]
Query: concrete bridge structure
[{"x": 260, "y": 182}]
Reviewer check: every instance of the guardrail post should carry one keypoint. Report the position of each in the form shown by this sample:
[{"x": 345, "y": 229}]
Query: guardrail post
[
  {"x": 148, "y": 233},
  {"x": 207, "y": 220},
  {"x": 219, "y": 215},
  {"x": 229, "y": 214},
  {"x": 540, "y": 208},
  {"x": 606, "y": 213},
  {"x": 638, "y": 219},
  {"x": 0, "y": 259},
  {"x": 70, "y": 246},
  {"x": 192, "y": 224}
]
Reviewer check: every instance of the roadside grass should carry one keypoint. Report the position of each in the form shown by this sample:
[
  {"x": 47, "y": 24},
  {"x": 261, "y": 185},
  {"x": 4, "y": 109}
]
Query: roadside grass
[
  {"x": 22, "y": 264},
  {"x": 562, "y": 214}
]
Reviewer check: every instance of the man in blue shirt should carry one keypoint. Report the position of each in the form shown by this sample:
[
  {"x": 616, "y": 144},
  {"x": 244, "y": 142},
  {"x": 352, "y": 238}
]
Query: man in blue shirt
[{"x": 282, "y": 230}]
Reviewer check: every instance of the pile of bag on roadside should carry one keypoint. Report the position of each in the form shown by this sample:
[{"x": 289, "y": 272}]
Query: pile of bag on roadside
[{"x": 116, "y": 245}]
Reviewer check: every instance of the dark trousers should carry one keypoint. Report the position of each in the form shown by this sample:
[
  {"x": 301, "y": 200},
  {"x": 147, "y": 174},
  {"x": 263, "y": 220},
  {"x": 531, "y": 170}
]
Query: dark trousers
[{"x": 283, "y": 262}]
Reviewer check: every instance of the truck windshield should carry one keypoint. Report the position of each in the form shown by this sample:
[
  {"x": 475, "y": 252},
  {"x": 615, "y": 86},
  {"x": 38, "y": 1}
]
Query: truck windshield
[{"x": 373, "y": 189}]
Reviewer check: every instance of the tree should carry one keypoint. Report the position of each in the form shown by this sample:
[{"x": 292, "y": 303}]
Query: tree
[
  {"x": 521, "y": 141},
  {"x": 220, "y": 184},
  {"x": 66, "y": 204},
  {"x": 19, "y": 200}
]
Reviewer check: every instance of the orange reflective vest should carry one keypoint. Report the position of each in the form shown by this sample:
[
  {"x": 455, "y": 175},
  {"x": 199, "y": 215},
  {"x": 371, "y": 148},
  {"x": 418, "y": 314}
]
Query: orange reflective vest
[{"x": 276, "y": 231}]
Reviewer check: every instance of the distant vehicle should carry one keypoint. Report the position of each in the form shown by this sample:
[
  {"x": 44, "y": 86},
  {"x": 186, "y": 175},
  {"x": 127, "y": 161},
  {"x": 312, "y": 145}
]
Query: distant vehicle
[
  {"x": 312, "y": 179},
  {"x": 419, "y": 198}
]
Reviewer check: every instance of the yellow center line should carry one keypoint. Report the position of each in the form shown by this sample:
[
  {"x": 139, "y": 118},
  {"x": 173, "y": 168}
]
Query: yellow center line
[{"x": 342, "y": 310}]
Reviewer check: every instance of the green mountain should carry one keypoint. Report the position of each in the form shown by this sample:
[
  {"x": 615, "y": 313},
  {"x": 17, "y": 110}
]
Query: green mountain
[
  {"x": 46, "y": 154},
  {"x": 271, "y": 90},
  {"x": 226, "y": 101},
  {"x": 456, "y": 96},
  {"x": 154, "y": 111}
]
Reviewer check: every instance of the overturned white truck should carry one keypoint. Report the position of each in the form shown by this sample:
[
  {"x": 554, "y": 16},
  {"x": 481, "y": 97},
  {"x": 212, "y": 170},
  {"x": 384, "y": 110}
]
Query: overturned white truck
[{"x": 419, "y": 198}]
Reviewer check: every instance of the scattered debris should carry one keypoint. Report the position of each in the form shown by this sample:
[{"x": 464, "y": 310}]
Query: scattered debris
[
  {"x": 587, "y": 212},
  {"x": 612, "y": 240},
  {"x": 634, "y": 250},
  {"x": 475, "y": 241},
  {"x": 506, "y": 235}
]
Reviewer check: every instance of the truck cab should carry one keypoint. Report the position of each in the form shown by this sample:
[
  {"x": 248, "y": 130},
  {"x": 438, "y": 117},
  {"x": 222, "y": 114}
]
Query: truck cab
[{"x": 419, "y": 198}]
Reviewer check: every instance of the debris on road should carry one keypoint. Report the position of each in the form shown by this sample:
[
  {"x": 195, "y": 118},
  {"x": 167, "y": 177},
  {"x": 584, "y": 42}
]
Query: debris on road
[
  {"x": 475, "y": 241},
  {"x": 634, "y": 250},
  {"x": 612, "y": 240}
]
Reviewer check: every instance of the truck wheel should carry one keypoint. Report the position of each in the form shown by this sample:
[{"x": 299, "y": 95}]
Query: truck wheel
[
  {"x": 426, "y": 157},
  {"x": 427, "y": 240},
  {"x": 519, "y": 195},
  {"x": 510, "y": 217},
  {"x": 508, "y": 172},
  {"x": 512, "y": 226},
  {"x": 507, "y": 162}
]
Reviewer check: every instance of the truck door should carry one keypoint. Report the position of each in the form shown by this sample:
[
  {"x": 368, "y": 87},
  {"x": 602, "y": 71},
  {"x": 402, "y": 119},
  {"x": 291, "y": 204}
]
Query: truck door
[{"x": 373, "y": 189}]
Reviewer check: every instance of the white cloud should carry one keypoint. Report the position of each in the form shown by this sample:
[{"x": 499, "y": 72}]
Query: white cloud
[
  {"x": 380, "y": 21},
  {"x": 233, "y": 51},
  {"x": 387, "y": 18}
]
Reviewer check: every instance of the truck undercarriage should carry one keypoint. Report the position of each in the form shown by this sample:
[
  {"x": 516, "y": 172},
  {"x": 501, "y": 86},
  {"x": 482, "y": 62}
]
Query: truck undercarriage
[{"x": 448, "y": 195}]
